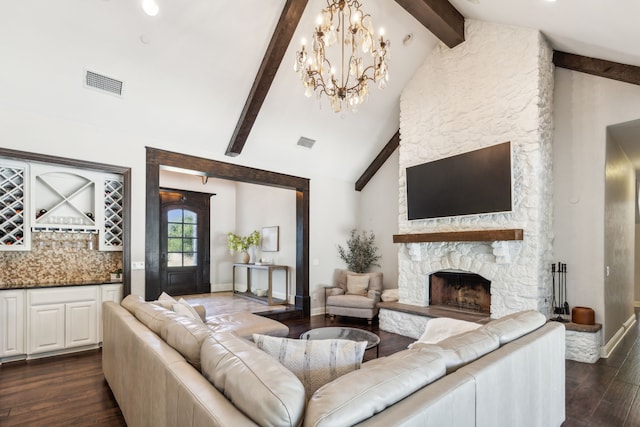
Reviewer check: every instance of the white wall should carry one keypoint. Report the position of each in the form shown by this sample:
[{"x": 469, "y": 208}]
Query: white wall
[
  {"x": 378, "y": 212},
  {"x": 260, "y": 206},
  {"x": 584, "y": 106}
]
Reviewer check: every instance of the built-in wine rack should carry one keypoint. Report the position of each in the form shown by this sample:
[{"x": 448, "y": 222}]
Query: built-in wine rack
[
  {"x": 113, "y": 214},
  {"x": 12, "y": 207}
]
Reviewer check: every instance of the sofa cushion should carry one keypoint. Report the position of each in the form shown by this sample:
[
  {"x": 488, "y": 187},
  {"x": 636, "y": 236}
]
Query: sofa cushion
[
  {"x": 441, "y": 328},
  {"x": 357, "y": 285},
  {"x": 358, "y": 395},
  {"x": 314, "y": 362},
  {"x": 246, "y": 324},
  {"x": 152, "y": 316},
  {"x": 351, "y": 301},
  {"x": 462, "y": 349},
  {"x": 513, "y": 326},
  {"x": 131, "y": 302},
  {"x": 186, "y": 335},
  {"x": 252, "y": 380}
]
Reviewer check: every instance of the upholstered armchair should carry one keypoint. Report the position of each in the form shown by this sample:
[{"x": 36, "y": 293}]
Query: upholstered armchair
[{"x": 354, "y": 294}]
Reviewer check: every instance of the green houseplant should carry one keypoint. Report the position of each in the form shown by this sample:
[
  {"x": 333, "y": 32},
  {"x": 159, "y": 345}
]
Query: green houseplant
[
  {"x": 237, "y": 243},
  {"x": 361, "y": 252}
]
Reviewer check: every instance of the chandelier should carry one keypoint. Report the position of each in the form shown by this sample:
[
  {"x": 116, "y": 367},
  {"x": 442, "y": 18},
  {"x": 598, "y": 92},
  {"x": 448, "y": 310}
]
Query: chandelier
[{"x": 344, "y": 28}]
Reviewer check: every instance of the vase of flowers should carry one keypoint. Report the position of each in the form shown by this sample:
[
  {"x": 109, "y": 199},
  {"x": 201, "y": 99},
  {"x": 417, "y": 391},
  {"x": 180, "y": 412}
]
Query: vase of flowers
[{"x": 241, "y": 244}]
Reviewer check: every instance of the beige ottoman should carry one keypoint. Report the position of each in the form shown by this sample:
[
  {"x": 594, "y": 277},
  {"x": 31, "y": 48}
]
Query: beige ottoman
[{"x": 246, "y": 324}]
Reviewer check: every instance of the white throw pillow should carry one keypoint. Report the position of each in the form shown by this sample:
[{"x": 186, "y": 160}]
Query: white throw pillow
[
  {"x": 357, "y": 285},
  {"x": 442, "y": 328},
  {"x": 314, "y": 362},
  {"x": 165, "y": 300},
  {"x": 389, "y": 295},
  {"x": 183, "y": 307}
]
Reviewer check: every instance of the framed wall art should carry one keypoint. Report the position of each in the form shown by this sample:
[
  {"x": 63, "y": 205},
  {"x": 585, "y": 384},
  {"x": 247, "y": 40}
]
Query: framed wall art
[{"x": 270, "y": 239}]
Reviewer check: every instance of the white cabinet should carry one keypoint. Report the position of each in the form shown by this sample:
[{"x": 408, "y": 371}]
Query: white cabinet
[
  {"x": 61, "y": 318},
  {"x": 52, "y": 320},
  {"x": 111, "y": 292},
  {"x": 11, "y": 323},
  {"x": 46, "y": 328},
  {"x": 15, "y": 234}
]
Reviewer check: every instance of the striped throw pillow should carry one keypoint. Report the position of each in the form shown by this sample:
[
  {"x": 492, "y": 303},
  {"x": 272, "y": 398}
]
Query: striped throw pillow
[{"x": 314, "y": 362}]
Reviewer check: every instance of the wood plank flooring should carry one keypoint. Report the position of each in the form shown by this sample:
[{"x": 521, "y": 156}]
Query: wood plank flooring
[{"x": 71, "y": 390}]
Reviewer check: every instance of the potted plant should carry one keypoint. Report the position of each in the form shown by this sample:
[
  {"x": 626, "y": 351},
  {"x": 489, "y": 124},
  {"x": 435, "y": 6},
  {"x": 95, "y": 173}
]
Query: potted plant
[
  {"x": 116, "y": 275},
  {"x": 237, "y": 243},
  {"x": 361, "y": 252}
]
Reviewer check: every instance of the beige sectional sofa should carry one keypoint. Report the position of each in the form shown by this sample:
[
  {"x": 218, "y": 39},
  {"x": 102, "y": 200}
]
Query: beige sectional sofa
[{"x": 167, "y": 370}]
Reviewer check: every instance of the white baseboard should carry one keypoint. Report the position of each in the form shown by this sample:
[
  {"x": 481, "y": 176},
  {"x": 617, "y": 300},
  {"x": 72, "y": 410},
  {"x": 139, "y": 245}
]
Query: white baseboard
[
  {"x": 608, "y": 348},
  {"x": 221, "y": 287}
]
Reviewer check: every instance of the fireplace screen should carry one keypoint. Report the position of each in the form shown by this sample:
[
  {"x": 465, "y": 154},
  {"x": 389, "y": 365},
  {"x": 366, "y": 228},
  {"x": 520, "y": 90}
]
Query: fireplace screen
[{"x": 460, "y": 290}]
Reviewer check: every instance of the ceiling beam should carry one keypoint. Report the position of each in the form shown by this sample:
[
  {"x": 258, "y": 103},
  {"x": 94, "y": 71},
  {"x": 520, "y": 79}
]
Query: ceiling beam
[
  {"x": 278, "y": 45},
  {"x": 377, "y": 163},
  {"x": 440, "y": 17},
  {"x": 597, "y": 67}
]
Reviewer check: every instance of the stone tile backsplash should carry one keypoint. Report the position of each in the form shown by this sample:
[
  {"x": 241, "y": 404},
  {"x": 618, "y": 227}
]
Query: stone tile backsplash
[{"x": 58, "y": 258}]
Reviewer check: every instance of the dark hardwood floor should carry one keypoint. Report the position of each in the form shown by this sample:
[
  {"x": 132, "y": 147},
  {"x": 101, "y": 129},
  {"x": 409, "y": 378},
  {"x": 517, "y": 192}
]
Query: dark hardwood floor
[{"x": 70, "y": 390}]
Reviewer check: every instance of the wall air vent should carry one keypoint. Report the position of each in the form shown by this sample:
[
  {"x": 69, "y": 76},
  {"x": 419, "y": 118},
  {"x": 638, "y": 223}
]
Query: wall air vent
[
  {"x": 306, "y": 142},
  {"x": 105, "y": 83}
]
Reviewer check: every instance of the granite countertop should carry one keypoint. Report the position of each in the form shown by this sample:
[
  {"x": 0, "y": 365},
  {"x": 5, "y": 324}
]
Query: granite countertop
[{"x": 54, "y": 284}]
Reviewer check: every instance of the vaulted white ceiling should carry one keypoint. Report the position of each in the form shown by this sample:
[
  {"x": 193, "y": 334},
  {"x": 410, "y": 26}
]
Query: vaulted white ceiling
[{"x": 188, "y": 71}]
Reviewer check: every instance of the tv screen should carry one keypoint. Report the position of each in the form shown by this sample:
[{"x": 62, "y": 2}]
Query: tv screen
[{"x": 476, "y": 182}]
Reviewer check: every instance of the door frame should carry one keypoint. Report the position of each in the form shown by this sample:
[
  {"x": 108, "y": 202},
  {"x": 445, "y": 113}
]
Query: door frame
[{"x": 161, "y": 159}]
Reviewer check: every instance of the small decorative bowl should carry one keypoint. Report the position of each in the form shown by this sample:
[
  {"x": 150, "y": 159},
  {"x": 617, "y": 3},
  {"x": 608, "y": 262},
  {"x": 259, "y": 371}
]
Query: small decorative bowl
[{"x": 261, "y": 292}]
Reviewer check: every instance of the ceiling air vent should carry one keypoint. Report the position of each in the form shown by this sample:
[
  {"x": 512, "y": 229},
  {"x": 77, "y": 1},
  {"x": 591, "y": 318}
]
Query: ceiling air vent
[
  {"x": 306, "y": 142},
  {"x": 105, "y": 83}
]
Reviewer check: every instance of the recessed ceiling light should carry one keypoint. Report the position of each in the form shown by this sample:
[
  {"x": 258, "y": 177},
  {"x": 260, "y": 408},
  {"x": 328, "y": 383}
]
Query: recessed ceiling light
[
  {"x": 150, "y": 7},
  {"x": 474, "y": 1}
]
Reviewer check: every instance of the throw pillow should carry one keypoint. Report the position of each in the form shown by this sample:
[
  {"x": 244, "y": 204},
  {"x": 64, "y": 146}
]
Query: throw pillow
[
  {"x": 183, "y": 307},
  {"x": 442, "y": 328},
  {"x": 252, "y": 380},
  {"x": 314, "y": 362},
  {"x": 389, "y": 295},
  {"x": 165, "y": 300},
  {"x": 357, "y": 285}
]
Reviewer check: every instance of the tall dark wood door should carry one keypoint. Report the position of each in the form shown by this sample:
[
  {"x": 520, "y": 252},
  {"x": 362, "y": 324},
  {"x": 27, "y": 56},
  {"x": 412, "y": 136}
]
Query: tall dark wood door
[{"x": 184, "y": 242}]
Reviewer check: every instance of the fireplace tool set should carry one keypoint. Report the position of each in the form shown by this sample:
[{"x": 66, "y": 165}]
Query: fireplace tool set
[{"x": 559, "y": 276}]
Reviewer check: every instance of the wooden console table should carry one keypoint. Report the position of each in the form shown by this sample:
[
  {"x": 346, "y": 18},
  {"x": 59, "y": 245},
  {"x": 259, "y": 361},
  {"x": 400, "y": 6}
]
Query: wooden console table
[{"x": 268, "y": 299}]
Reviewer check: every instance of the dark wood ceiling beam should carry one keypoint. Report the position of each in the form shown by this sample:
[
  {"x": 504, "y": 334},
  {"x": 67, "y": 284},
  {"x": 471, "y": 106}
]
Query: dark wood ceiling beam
[
  {"x": 597, "y": 67},
  {"x": 439, "y": 17},
  {"x": 377, "y": 163},
  {"x": 278, "y": 45}
]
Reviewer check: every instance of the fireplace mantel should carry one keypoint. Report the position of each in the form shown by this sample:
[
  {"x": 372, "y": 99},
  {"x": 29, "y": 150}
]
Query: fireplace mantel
[{"x": 461, "y": 236}]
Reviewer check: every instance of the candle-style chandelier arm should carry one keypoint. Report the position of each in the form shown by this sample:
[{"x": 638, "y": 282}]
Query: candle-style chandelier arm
[{"x": 342, "y": 22}]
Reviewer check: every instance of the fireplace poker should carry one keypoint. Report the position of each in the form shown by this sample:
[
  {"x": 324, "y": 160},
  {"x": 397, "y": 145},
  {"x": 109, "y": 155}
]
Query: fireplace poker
[{"x": 564, "y": 273}]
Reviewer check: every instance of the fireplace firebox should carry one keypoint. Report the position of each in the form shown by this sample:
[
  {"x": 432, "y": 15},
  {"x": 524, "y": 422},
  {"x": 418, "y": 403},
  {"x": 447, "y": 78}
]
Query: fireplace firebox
[{"x": 460, "y": 290}]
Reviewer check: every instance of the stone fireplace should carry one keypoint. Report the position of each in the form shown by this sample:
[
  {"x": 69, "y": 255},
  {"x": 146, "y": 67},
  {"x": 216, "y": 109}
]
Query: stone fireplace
[
  {"x": 495, "y": 87},
  {"x": 460, "y": 290}
]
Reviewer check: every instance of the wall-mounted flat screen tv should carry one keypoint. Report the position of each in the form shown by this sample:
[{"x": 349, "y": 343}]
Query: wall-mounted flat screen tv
[{"x": 476, "y": 182}]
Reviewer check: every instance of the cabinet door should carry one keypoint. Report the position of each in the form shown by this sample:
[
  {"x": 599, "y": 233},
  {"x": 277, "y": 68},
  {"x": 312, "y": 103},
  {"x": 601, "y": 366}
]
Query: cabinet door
[
  {"x": 80, "y": 319},
  {"x": 46, "y": 328},
  {"x": 12, "y": 323},
  {"x": 107, "y": 293}
]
